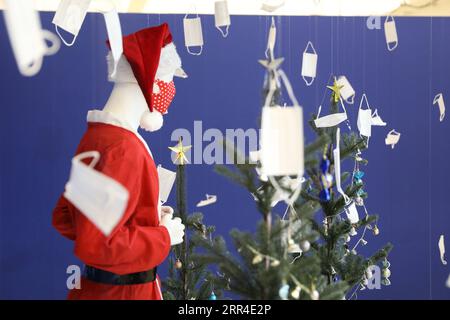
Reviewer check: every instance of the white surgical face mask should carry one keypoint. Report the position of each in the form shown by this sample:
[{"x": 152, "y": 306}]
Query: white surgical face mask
[
  {"x": 392, "y": 138},
  {"x": 193, "y": 34},
  {"x": 100, "y": 198},
  {"x": 439, "y": 99},
  {"x": 70, "y": 16},
  {"x": 390, "y": 32},
  {"x": 222, "y": 17},
  {"x": 365, "y": 118},
  {"x": 166, "y": 180},
  {"x": 347, "y": 91},
  {"x": 27, "y": 38},
  {"x": 330, "y": 120},
  {"x": 309, "y": 64}
]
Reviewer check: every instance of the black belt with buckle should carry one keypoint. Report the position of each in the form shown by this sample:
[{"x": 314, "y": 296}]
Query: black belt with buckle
[{"x": 106, "y": 277}]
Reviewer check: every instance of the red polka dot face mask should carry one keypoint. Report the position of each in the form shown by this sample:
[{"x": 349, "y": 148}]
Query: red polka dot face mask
[{"x": 162, "y": 96}]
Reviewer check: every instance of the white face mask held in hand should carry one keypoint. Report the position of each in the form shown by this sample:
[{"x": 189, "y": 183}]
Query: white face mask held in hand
[
  {"x": 70, "y": 16},
  {"x": 166, "y": 180},
  {"x": 100, "y": 198},
  {"x": 27, "y": 38}
]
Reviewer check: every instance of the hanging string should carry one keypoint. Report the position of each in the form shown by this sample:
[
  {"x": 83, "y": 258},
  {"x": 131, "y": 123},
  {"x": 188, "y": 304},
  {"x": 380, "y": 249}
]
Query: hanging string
[
  {"x": 315, "y": 41},
  {"x": 332, "y": 46},
  {"x": 337, "y": 44},
  {"x": 364, "y": 58},
  {"x": 429, "y": 157}
]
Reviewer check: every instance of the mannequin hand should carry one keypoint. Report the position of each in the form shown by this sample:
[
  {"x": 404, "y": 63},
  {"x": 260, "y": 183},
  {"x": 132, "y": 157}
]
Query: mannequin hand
[
  {"x": 166, "y": 210},
  {"x": 175, "y": 228}
]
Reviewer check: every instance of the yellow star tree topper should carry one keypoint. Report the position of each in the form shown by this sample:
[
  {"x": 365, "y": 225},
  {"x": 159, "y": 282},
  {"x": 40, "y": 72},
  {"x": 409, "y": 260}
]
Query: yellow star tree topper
[
  {"x": 180, "y": 152},
  {"x": 336, "y": 96}
]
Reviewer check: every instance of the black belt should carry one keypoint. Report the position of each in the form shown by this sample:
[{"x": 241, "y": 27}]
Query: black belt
[{"x": 106, "y": 277}]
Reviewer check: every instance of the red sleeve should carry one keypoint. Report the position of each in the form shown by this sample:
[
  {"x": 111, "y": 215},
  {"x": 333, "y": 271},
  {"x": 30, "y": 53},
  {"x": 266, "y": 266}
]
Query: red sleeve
[
  {"x": 131, "y": 247},
  {"x": 63, "y": 219}
]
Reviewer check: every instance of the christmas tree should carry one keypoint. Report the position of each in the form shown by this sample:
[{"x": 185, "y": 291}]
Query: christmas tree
[
  {"x": 304, "y": 253},
  {"x": 189, "y": 278}
]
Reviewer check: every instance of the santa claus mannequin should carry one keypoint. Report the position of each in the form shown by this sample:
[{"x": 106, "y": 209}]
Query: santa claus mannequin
[{"x": 122, "y": 265}]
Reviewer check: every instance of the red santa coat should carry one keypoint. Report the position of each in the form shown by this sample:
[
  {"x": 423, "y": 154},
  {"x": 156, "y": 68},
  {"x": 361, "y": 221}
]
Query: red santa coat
[{"x": 138, "y": 243}]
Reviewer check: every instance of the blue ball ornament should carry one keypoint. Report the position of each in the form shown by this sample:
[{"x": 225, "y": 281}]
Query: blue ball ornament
[{"x": 213, "y": 296}]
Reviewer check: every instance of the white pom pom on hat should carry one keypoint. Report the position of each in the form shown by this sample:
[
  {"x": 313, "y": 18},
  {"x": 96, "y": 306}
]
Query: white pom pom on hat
[{"x": 151, "y": 121}]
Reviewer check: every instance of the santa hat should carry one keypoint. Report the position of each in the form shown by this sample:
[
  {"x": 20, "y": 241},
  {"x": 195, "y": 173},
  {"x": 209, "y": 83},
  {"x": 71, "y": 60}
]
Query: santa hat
[{"x": 152, "y": 55}]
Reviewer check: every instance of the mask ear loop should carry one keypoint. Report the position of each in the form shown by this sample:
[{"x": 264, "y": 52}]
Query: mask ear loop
[
  {"x": 31, "y": 69},
  {"x": 351, "y": 101},
  {"x": 69, "y": 44},
  {"x": 310, "y": 82},
  {"x": 88, "y": 154},
  {"x": 224, "y": 34},
  {"x": 55, "y": 44},
  {"x": 347, "y": 122},
  {"x": 195, "y": 53}
]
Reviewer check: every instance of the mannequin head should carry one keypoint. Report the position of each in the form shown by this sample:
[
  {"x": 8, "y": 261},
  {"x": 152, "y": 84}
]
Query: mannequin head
[{"x": 163, "y": 88}]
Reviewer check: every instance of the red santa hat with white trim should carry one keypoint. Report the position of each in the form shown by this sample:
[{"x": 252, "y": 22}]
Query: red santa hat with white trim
[{"x": 152, "y": 56}]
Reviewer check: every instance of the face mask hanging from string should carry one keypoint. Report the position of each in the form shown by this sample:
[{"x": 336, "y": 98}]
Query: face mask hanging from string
[
  {"x": 70, "y": 16},
  {"x": 331, "y": 120},
  {"x": 193, "y": 34},
  {"x": 282, "y": 140},
  {"x": 439, "y": 100},
  {"x": 309, "y": 64},
  {"x": 390, "y": 31},
  {"x": 28, "y": 39},
  {"x": 222, "y": 17},
  {"x": 347, "y": 91},
  {"x": 392, "y": 138},
  {"x": 366, "y": 119}
]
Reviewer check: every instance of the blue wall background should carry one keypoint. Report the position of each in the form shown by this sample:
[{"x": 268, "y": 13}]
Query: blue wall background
[{"x": 43, "y": 118}]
